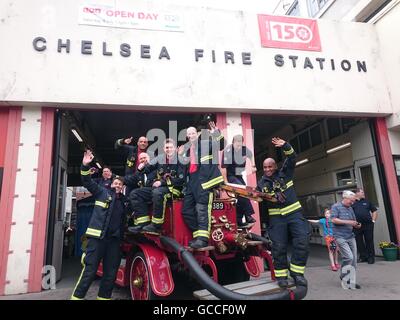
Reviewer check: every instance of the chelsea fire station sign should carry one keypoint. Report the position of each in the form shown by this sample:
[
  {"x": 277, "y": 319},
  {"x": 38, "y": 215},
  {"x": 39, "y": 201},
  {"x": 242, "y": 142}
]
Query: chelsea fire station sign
[{"x": 275, "y": 32}]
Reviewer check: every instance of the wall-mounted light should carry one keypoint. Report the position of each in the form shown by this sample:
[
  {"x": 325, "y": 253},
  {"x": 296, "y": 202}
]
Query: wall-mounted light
[
  {"x": 301, "y": 162},
  {"x": 98, "y": 165},
  {"x": 76, "y": 134},
  {"x": 341, "y": 147}
]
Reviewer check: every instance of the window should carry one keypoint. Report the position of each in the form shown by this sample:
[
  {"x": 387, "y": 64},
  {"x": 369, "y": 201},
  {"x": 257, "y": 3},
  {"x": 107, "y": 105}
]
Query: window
[
  {"x": 304, "y": 140},
  {"x": 295, "y": 144},
  {"x": 345, "y": 178},
  {"x": 334, "y": 129},
  {"x": 294, "y": 10},
  {"x": 315, "y": 134},
  {"x": 397, "y": 166},
  {"x": 316, "y": 6}
]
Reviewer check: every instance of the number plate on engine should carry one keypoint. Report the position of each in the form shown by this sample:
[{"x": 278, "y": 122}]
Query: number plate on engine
[{"x": 218, "y": 206}]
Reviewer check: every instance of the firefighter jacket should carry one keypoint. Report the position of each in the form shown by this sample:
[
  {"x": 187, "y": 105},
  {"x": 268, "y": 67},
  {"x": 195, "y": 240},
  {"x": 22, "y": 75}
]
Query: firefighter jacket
[
  {"x": 103, "y": 206},
  {"x": 280, "y": 185},
  {"x": 169, "y": 173},
  {"x": 131, "y": 153},
  {"x": 207, "y": 159},
  {"x": 140, "y": 179}
]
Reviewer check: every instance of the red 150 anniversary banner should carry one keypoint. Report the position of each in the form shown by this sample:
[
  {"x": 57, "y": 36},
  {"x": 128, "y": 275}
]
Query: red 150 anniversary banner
[{"x": 289, "y": 33}]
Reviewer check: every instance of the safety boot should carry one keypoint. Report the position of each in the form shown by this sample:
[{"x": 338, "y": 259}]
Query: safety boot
[
  {"x": 152, "y": 228},
  {"x": 137, "y": 228},
  {"x": 299, "y": 280},
  {"x": 199, "y": 243},
  {"x": 282, "y": 282}
]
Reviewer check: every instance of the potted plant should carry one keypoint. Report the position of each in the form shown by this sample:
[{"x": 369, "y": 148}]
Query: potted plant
[{"x": 389, "y": 250}]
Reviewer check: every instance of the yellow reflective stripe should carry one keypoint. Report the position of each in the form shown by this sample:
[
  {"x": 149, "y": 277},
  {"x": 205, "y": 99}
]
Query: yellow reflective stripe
[
  {"x": 288, "y": 152},
  {"x": 80, "y": 277},
  {"x": 100, "y": 298},
  {"x": 273, "y": 212},
  {"x": 176, "y": 192},
  {"x": 297, "y": 269},
  {"x": 203, "y": 233},
  {"x": 101, "y": 204},
  {"x": 129, "y": 163},
  {"x": 281, "y": 273},
  {"x": 286, "y": 210},
  {"x": 142, "y": 219},
  {"x": 195, "y": 234},
  {"x": 205, "y": 158},
  {"x": 291, "y": 208},
  {"x": 93, "y": 232},
  {"x": 289, "y": 184},
  {"x": 85, "y": 173},
  {"x": 157, "y": 220},
  {"x": 219, "y": 137},
  {"x": 209, "y": 209},
  {"x": 213, "y": 182}
]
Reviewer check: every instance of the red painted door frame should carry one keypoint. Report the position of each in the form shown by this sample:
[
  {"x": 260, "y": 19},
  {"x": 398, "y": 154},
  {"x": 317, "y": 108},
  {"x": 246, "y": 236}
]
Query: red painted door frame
[
  {"x": 8, "y": 189},
  {"x": 42, "y": 195},
  {"x": 383, "y": 142}
]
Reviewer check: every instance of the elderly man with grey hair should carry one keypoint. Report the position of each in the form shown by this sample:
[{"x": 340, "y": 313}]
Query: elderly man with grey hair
[{"x": 344, "y": 220}]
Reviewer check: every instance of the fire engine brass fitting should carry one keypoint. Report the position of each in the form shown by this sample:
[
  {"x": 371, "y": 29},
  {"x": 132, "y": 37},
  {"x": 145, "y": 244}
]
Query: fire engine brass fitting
[
  {"x": 228, "y": 226},
  {"x": 213, "y": 220},
  {"x": 217, "y": 235},
  {"x": 223, "y": 219},
  {"x": 138, "y": 282},
  {"x": 221, "y": 247},
  {"x": 241, "y": 240}
]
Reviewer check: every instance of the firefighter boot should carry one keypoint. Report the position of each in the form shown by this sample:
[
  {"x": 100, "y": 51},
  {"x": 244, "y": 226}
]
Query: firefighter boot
[
  {"x": 199, "y": 243},
  {"x": 152, "y": 228},
  {"x": 282, "y": 282},
  {"x": 299, "y": 280},
  {"x": 137, "y": 228}
]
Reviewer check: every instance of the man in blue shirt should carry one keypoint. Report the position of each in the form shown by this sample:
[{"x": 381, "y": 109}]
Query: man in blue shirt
[
  {"x": 366, "y": 213},
  {"x": 344, "y": 220}
]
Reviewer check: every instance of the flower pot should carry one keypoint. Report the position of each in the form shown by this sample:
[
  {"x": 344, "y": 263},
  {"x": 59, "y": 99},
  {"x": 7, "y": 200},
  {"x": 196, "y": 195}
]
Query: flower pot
[{"x": 390, "y": 254}]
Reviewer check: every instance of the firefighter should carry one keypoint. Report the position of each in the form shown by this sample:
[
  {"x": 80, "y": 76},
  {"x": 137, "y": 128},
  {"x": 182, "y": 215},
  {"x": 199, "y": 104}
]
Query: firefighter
[
  {"x": 132, "y": 152},
  {"x": 106, "y": 178},
  {"x": 201, "y": 156},
  {"x": 285, "y": 217},
  {"x": 167, "y": 183},
  {"x": 104, "y": 234},
  {"x": 232, "y": 167}
]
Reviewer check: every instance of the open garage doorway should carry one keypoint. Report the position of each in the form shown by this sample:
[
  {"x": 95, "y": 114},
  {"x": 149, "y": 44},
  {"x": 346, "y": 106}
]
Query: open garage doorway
[
  {"x": 333, "y": 154},
  {"x": 97, "y": 130}
]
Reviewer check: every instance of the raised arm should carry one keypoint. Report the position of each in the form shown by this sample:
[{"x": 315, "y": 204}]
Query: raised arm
[{"x": 86, "y": 178}]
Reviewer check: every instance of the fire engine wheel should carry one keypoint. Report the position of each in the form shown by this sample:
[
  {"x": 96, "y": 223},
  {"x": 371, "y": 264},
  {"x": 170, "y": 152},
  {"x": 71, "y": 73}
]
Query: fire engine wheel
[{"x": 139, "y": 280}]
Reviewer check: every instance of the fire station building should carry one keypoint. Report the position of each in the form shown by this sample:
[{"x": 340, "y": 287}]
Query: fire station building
[{"x": 85, "y": 73}]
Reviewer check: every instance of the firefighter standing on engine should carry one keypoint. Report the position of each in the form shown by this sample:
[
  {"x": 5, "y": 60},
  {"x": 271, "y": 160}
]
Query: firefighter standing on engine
[
  {"x": 285, "y": 217},
  {"x": 167, "y": 183},
  {"x": 132, "y": 154},
  {"x": 105, "y": 232},
  {"x": 201, "y": 157}
]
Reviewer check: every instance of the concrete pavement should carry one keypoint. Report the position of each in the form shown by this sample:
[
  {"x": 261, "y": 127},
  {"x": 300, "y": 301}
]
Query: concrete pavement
[{"x": 379, "y": 281}]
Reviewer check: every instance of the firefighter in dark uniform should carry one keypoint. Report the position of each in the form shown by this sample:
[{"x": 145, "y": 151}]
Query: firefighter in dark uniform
[
  {"x": 106, "y": 178},
  {"x": 285, "y": 217},
  {"x": 132, "y": 154},
  {"x": 202, "y": 175},
  {"x": 232, "y": 166},
  {"x": 104, "y": 234},
  {"x": 168, "y": 183},
  {"x": 139, "y": 179}
]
